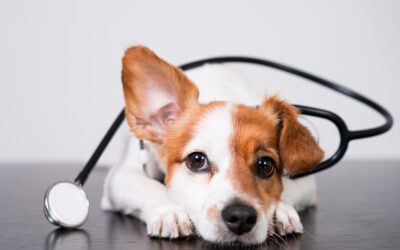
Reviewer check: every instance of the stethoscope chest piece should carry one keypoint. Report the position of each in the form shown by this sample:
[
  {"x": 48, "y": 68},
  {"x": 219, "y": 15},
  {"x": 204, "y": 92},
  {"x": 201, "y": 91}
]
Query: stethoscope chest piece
[{"x": 66, "y": 205}]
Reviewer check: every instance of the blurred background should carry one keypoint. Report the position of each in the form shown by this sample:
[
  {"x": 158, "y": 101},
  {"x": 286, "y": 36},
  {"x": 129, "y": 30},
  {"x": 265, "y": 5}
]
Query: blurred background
[{"x": 60, "y": 64}]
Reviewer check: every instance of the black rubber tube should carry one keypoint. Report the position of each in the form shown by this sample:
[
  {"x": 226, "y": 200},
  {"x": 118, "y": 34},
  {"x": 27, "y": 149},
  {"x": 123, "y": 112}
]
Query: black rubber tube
[{"x": 91, "y": 163}]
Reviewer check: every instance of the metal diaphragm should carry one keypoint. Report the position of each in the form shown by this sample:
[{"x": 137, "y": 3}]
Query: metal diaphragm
[{"x": 66, "y": 205}]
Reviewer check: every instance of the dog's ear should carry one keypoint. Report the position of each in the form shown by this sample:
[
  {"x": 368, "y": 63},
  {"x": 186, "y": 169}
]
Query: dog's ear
[
  {"x": 155, "y": 93},
  {"x": 297, "y": 148}
]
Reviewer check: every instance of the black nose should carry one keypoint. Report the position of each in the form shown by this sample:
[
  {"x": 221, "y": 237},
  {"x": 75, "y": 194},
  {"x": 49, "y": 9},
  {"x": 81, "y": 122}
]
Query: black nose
[{"x": 240, "y": 219}]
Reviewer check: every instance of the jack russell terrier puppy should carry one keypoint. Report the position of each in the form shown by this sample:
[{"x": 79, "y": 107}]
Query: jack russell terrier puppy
[{"x": 217, "y": 168}]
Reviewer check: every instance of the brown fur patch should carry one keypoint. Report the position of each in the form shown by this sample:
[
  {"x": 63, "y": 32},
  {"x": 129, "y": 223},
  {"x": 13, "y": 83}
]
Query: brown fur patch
[
  {"x": 297, "y": 148},
  {"x": 254, "y": 136},
  {"x": 272, "y": 131}
]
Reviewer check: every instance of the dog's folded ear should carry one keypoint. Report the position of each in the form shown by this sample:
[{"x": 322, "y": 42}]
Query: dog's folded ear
[
  {"x": 155, "y": 93},
  {"x": 297, "y": 147}
]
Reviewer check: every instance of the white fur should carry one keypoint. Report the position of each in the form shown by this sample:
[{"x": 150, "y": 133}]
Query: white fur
[
  {"x": 133, "y": 190},
  {"x": 300, "y": 193},
  {"x": 215, "y": 127},
  {"x": 287, "y": 219}
]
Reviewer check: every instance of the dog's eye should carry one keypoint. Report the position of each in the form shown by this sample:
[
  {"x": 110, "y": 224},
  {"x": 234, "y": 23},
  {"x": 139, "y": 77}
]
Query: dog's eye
[
  {"x": 197, "y": 161},
  {"x": 265, "y": 167}
]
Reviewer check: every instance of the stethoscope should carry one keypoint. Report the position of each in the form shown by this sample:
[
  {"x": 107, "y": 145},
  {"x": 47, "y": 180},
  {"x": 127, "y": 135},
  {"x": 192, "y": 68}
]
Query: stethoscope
[{"x": 66, "y": 204}]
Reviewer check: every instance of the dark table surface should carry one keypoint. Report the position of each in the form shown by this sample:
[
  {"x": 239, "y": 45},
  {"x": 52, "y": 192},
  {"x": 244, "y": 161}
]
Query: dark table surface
[{"x": 358, "y": 208}]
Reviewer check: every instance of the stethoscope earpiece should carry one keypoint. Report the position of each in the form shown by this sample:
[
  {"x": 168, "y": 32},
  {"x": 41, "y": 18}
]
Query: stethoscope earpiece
[{"x": 66, "y": 205}]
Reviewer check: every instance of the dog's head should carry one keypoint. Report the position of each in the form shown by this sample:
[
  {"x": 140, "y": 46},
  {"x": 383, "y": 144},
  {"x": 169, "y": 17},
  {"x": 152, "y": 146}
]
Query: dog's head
[{"x": 224, "y": 161}]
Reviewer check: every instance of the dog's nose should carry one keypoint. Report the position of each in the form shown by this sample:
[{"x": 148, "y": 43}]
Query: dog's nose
[{"x": 239, "y": 218}]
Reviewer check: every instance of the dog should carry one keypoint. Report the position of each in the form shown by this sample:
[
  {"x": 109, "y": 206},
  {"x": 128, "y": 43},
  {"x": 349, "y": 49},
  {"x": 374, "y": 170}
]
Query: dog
[{"x": 216, "y": 169}]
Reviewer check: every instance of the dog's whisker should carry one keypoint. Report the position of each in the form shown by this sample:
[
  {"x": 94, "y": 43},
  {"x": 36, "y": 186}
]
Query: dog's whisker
[
  {"x": 276, "y": 241},
  {"x": 279, "y": 237},
  {"x": 309, "y": 234}
]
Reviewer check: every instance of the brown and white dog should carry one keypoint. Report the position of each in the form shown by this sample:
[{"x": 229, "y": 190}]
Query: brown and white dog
[{"x": 223, "y": 164}]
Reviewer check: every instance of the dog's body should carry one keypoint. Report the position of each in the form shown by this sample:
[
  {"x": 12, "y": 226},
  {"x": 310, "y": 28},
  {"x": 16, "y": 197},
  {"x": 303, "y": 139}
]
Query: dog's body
[{"x": 181, "y": 133}]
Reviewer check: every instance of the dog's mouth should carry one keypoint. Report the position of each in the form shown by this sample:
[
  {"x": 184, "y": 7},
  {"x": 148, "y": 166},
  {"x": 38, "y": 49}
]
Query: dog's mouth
[{"x": 228, "y": 239}]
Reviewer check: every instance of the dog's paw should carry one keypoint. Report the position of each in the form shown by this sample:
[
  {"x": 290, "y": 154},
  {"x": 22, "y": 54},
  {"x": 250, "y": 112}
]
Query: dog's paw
[
  {"x": 286, "y": 220},
  {"x": 169, "y": 221}
]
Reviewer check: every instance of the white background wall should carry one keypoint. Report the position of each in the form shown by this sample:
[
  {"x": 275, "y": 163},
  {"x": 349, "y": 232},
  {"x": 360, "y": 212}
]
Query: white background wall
[{"x": 60, "y": 62}]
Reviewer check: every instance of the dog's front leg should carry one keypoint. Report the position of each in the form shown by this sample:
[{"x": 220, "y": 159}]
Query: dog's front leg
[
  {"x": 286, "y": 220},
  {"x": 297, "y": 195},
  {"x": 129, "y": 190},
  {"x": 135, "y": 193}
]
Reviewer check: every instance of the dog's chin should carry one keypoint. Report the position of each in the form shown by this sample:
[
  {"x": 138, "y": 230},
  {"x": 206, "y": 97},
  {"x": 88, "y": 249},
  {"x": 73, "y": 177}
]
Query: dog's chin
[
  {"x": 222, "y": 236},
  {"x": 230, "y": 239},
  {"x": 217, "y": 233}
]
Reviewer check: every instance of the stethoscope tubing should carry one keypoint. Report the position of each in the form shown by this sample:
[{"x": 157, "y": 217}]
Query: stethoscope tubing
[
  {"x": 334, "y": 86},
  {"x": 345, "y": 134}
]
